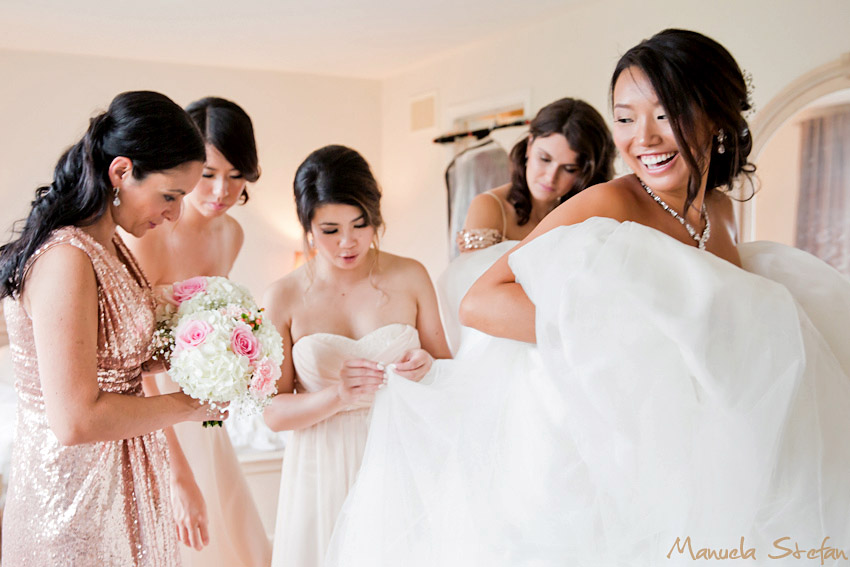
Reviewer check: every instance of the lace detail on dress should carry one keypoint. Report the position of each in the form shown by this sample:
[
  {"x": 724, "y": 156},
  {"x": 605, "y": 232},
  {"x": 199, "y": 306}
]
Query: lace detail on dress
[{"x": 478, "y": 238}]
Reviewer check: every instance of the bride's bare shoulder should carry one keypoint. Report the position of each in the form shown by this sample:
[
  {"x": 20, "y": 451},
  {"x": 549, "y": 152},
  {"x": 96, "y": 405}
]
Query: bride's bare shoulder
[{"x": 614, "y": 199}]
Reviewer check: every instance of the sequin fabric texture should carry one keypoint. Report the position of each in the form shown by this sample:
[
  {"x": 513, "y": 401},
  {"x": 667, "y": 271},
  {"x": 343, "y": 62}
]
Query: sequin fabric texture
[
  {"x": 478, "y": 238},
  {"x": 104, "y": 503}
]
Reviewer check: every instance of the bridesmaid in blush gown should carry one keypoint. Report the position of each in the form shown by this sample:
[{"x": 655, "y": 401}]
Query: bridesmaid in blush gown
[
  {"x": 345, "y": 316},
  {"x": 88, "y": 482},
  {"x": 215, "y": 513}
]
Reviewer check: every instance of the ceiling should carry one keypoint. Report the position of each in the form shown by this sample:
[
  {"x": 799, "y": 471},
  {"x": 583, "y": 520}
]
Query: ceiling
[{"x": 354, "y": 38}]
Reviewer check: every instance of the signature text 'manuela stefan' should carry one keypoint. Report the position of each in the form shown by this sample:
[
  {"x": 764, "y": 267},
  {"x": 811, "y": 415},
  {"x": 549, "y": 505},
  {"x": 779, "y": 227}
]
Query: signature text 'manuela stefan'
[{"x": 783, "y": 548}]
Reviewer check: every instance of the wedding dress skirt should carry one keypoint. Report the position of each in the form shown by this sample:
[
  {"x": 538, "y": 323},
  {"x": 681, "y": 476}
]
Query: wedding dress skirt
[
  {"x": 456, "y": 281},
  {"x": 674, "y": 407}
]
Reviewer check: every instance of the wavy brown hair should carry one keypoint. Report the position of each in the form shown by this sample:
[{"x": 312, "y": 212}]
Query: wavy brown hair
[{"x": 588, "y": 137}]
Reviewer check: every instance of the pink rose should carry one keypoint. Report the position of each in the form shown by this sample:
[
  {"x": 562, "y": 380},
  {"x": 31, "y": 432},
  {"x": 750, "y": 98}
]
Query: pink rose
[
  {"x": 164, "y": 295},
  {"x": 243, "y": 342},
  {"x": 192, "y": 333},
  {"x": 264, "y": 380},
  {"x": 187, "y": 289}
]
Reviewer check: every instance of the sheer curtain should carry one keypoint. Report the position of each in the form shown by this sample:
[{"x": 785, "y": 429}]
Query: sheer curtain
[{"x": 823, "y": 214}]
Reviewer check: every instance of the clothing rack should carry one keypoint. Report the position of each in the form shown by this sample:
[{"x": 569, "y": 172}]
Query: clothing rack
[{"x": 479, "y": 133}]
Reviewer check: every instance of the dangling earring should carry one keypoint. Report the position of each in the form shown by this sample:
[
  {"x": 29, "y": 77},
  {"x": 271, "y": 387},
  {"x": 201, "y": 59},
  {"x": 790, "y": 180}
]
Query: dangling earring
[
  {"x": 310, "y": 239},
  {"x": 116, "y": 200},
  {"x": 721, "y": 137}
]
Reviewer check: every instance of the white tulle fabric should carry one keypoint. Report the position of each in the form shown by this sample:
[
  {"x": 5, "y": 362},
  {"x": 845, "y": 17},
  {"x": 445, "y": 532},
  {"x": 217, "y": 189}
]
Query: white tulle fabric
[
  {"x": 671, "y": 395},
  {"x": 456, "y": 281}
]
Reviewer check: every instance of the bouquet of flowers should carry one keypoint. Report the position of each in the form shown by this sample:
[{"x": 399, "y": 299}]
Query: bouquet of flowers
[{"x": 220, "y": 350}]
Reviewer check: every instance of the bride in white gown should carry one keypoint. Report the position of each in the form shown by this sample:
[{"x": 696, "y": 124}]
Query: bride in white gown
[
  {"x": 348, "y": 313},
  {"x": 686, "y": 398}
]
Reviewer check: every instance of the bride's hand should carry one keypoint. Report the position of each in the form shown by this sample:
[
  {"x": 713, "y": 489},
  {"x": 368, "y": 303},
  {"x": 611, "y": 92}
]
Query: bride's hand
[
  {"x": 414, "y": 365},
  {"x": 359, "y": 378},
  {"x": 190, "y": 511}
]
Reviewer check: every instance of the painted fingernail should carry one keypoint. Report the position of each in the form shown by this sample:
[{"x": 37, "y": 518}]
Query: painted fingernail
[{"x": 380, "y": 366}]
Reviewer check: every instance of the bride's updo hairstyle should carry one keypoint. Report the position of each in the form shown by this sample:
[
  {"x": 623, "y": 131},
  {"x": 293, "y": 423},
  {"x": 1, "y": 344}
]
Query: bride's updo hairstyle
[
  {"x": 700, "y": 86},
  {"x": 337, "y": 175},
  {"x": 588, "y": 136},
  {"x": 228, "y": 129},
  {"x": 146, "y": 127}
]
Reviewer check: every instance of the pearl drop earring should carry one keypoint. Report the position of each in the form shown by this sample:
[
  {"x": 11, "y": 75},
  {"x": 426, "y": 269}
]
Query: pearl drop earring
[{"x": 721, "y": 137}]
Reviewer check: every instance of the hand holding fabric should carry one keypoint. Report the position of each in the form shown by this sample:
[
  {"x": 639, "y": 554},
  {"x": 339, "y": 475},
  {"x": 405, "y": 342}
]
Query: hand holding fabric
[
  {"x": 359, "y": 378},
  {"x": 414, "y": 365}
]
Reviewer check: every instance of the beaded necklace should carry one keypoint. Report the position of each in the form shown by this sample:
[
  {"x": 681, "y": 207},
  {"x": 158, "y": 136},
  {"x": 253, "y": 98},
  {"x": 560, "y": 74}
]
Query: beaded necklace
[{"x": 700, "y": 239}]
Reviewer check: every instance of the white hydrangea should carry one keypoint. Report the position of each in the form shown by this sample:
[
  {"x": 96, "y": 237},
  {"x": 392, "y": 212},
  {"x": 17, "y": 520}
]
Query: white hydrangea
[{"x": 204, "y": 363}]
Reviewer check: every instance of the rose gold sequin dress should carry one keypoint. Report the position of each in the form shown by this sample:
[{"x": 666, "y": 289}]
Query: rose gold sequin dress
[{"x": 105, "y": 503}]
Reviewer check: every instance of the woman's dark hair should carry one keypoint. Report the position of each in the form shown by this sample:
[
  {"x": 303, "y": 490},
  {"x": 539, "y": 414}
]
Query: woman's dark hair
[
  {"x": 229, "y": 129},
  {"x": 589, "y": 138},
  {"x": 336, "y": 175},
  {"x": 146, "y": 127},
  {"x": 700, "y": 85}
]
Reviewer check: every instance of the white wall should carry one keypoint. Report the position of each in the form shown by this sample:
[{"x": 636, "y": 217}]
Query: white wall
[
  {"x": 779, "y": 177},
  {"x": 573, "y": 54},
  {"x": 46, "y": 101}
]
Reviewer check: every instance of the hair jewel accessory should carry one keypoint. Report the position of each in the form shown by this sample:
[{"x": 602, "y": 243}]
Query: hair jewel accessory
[
  {"x": 721, "y": 137},
  {"x": 116, "y": 200},
  {"x": 749, "y": 105}
]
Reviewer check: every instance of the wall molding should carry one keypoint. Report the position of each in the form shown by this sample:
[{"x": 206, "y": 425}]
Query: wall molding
[{"x": 821, "y": 81}]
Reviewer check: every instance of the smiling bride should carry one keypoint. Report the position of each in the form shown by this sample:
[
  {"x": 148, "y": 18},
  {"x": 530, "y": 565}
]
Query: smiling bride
[{"x": 647, "y": 379}]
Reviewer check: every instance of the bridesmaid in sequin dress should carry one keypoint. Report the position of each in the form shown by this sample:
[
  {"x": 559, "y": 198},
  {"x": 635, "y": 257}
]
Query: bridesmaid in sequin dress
[
  {"x": 215, "y": 513},
  {"x": 88, "y": 483},
  {"x": 568, "y": 149}
]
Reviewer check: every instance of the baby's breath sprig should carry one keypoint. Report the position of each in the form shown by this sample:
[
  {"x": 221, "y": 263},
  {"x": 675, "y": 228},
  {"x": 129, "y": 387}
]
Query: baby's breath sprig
[
  {"x": 163, "y": 341},
  {"x": 254, "y": 320}
]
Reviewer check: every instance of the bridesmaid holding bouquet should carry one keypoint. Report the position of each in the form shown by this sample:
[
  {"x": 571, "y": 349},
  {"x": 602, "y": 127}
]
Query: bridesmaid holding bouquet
[{"x": 215, "y": 513}]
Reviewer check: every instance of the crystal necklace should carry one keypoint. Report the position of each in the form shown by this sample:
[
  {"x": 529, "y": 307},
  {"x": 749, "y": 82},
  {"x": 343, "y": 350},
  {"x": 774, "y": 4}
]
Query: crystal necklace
[{"x": 700, "y": 239}]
